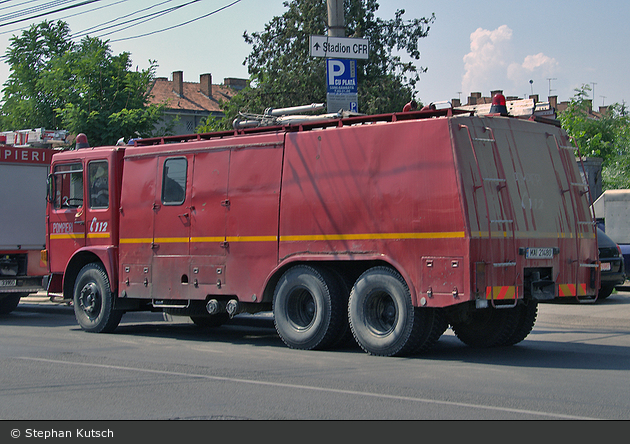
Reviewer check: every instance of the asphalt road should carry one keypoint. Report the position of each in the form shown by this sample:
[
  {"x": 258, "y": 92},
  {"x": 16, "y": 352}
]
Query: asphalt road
[{"x": 573, "y": 366}]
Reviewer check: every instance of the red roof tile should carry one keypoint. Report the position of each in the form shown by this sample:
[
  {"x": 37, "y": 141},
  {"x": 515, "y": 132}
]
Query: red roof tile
[{"x": 193, "y": 99}]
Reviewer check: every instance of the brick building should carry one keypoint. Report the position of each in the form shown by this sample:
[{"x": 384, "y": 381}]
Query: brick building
[
  {"x": 531, "y": 105},
  {"x": 190, "y": 102}
]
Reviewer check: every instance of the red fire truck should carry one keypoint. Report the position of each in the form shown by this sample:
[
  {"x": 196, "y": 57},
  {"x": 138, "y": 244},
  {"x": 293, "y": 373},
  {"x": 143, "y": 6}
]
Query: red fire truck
[
  {"x": 384, "y": 228},
  {"x": 25, "y": 157}
]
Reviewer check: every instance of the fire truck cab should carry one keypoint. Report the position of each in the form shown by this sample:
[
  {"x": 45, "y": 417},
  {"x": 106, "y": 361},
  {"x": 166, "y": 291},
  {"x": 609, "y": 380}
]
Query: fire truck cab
[{"x": 383, "y": 228}]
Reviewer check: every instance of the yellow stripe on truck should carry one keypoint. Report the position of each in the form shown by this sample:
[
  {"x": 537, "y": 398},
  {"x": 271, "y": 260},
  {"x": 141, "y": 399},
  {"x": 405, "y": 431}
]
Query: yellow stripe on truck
[{"x": 299, "y": 238}]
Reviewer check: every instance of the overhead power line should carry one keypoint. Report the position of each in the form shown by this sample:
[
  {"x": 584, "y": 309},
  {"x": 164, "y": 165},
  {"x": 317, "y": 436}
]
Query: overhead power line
[
  {"x": 87, "y": 2},
  {"x": 101, "y": 26},
  {"x": 32, "y": 10},
  {"x": 67, "y": 16},
  {"x": 177, "y": 26}
]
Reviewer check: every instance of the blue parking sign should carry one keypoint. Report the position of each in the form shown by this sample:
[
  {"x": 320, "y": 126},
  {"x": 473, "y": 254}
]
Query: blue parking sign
[{"x": 341, "y": 76}]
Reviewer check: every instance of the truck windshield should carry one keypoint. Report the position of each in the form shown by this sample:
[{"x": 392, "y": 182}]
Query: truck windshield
[{"x": 68, "y": 185}]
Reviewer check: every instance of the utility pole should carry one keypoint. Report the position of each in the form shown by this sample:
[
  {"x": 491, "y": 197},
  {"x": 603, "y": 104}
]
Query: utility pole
[{"x": 336, "y": 21}]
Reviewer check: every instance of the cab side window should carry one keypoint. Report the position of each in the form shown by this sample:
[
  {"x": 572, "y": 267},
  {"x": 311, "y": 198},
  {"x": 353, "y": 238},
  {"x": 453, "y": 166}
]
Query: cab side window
[
  {"x": 174, "y": 181},
  {"x": 68, "y": 186},
  {"x": 98, "y": 184}
]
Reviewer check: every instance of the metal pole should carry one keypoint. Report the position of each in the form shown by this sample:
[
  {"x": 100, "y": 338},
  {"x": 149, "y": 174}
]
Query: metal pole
[{"x": 336, "y": 21}]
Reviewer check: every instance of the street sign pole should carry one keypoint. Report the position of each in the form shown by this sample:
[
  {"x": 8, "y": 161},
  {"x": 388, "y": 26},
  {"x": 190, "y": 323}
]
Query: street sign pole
[{"x": 341, "y": 55}]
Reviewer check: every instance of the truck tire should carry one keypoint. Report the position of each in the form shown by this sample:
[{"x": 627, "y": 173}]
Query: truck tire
[
  {"x": 345, "y": 338},
  {"x": 488, "y": 327},
  {"x": 384, "y": 321},
  {"x": 526, "y": 318},
  {"x": 9, "y": 302},
  {"x": 605, "y": 291},
  {"x": 308, "y": 308},
  {"x": 94, "y": 301}
]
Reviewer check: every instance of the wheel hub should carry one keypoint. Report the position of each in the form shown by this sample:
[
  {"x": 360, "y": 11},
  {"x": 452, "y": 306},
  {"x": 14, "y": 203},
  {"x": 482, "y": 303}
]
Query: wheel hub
[
  {"x": 381, "y": 313},
  {"x": 89, "y": 298},
  {"x": 301, "y": 309}
]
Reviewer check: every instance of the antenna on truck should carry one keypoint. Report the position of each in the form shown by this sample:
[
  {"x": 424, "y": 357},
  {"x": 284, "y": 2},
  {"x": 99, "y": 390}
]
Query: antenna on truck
[{"x": 285, "y": 116}]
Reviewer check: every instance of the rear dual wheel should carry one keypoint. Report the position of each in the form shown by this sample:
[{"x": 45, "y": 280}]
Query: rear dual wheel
[
  {"x": 525, "y": 320},
  {"x": 309, "y": 308},
  {"x": 492, "y": 327},
  {"x": 384, "y": 321}
]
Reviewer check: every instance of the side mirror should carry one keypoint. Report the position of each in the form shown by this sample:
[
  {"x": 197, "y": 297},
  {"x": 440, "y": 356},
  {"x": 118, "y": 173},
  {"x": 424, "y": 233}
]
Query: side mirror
[{"x": 50, "y": 189}]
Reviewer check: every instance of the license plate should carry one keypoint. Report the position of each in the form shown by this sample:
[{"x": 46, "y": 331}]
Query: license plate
[
  {"x": 8, "y": 283},
  {"x": 539, "y": 253},
  {"x": 606, "y": 266}
]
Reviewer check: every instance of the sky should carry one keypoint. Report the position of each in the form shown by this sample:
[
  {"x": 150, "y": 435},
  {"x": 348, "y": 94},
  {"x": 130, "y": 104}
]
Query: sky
[{"x": 521, "y": 47}]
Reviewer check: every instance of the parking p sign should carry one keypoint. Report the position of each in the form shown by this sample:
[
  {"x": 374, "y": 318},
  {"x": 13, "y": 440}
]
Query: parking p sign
[
  {"x": 342, "y": 85},
  {"x": 341, "y": 75}
]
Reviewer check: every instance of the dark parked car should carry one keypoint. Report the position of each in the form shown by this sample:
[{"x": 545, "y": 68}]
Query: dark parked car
[{"x": 612, "y": 264}]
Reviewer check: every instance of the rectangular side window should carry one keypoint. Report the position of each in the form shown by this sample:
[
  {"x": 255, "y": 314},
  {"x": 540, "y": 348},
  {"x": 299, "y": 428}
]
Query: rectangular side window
[
  {"x": 174, "y": 181},
  {"x": 98, "y": 184},
  {"x": 68, "y": 186}
]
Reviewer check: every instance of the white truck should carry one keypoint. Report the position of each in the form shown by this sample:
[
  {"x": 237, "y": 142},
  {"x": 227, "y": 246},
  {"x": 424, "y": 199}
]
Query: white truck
[
  {"x": 612, "y": 212},
  {"x": 24, "y": 163}
]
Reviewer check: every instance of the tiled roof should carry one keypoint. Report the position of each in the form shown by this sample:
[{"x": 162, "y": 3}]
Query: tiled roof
[{"x": 193, "y": 99}]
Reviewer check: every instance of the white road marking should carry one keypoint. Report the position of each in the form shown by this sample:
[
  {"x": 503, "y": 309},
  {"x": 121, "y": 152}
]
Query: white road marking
[{"x": 317, "y": 389}]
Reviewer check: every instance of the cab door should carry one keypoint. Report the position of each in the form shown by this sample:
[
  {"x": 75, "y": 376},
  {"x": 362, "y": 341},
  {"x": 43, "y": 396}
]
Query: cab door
[
  {"x": 98, "y": 217},
  {"x": 66, "y": 222}
]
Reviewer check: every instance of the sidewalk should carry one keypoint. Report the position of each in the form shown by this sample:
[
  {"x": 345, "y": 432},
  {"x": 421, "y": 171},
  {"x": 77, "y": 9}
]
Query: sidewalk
[{"x": 39, "y": 298}]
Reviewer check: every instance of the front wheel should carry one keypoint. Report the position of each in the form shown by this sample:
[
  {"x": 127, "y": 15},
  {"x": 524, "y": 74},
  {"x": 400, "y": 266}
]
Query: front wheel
[
  {"x": 94, "y": 301},
  {"x": 384, "y": 321}
]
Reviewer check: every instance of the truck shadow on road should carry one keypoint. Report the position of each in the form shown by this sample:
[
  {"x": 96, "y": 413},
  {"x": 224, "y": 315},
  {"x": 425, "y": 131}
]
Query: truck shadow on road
[
  {"x": 259, "y": 331},
  {"x": 539, "y": 353},
  {"x": 40, "y": 315}
]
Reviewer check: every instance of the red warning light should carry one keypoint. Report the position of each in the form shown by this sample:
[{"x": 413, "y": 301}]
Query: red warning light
[{"x": 498, "y": 105}]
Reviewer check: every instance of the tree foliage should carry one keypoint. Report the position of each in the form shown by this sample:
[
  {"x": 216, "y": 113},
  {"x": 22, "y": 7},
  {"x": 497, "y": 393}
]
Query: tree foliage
[
  {"x": 607, "y": 137},
  {"x": 83, "y": 88},
  {"x": 283, "y": 74}
]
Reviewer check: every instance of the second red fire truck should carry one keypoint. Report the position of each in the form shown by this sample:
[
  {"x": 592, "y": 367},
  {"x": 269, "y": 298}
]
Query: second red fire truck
[
  {"x": 25, "y": 157},
  {"x": 384, "y": 228}
]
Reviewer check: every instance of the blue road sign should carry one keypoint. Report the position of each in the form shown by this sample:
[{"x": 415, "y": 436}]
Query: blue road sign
[{"x": 341, "y": 76}]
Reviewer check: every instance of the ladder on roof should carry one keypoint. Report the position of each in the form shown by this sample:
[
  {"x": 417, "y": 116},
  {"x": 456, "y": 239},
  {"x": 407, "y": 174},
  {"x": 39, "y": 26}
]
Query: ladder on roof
[
  {"x": 505, "y": 227},
  {"x": 583, "y": 192}
]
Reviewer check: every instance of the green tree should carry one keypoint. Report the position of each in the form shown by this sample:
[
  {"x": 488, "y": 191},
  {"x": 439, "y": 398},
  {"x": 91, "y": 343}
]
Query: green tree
[
  {"x": 29, "y": 56},
  {"x": 82, "y": 87},
  {"x": 607, "y": 137},
  {"x": 282, "y": 73}
]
